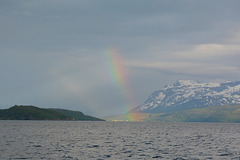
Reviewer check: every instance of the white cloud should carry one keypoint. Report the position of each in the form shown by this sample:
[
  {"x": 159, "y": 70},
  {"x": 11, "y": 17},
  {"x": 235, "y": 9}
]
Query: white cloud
[{"x": 209, "y": 51}]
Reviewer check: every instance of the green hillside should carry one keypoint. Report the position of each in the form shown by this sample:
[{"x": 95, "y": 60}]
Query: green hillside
[
  {"x": 76, "y": 115},
  {"x": 35, "y": 113},
  {"x": 224, "y": 114}
]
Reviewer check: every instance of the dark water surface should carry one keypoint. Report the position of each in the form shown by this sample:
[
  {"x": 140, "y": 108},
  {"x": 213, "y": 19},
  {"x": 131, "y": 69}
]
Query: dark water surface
[{"x": 118, "y": 140}]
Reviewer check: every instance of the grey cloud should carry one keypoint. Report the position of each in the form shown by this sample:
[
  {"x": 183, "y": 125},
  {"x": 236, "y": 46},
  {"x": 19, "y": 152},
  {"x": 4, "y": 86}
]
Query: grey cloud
[{"x": 201, "y": 69}]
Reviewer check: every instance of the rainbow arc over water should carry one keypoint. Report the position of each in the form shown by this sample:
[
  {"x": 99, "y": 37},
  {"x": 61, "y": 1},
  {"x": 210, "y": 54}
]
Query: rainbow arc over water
[{"x": 119, "y": 76}]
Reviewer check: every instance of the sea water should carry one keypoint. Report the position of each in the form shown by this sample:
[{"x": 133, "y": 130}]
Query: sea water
[{"x": 66, "y": 140}]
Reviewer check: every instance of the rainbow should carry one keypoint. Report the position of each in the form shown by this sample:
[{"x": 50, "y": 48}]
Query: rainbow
[{"x": 119, "y": 76}]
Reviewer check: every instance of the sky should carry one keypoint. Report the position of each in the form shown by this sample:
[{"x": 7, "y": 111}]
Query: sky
[{"x": 105, "y": 57}]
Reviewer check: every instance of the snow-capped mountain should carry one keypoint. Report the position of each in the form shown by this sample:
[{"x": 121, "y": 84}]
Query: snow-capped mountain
[{"x": 189, "y": 94}]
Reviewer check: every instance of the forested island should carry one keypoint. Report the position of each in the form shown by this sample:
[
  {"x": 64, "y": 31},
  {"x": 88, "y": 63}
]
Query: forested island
[{"x": 21, "y": 112}]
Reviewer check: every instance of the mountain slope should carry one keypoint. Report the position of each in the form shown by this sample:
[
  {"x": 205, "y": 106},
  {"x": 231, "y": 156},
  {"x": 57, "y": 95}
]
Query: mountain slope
[
  {"x": 226, "y": 114},
  {"x": 35, "y": 113},
  {"x": 223, "y": 114},
  {"x": 189, "y": 94}
]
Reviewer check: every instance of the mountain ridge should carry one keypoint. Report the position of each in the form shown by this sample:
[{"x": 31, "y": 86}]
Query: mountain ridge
[{"x": 191, "y": 94}]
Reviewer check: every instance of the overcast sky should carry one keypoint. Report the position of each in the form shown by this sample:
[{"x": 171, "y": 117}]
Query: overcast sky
[{"x": 54, "y": 53}]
